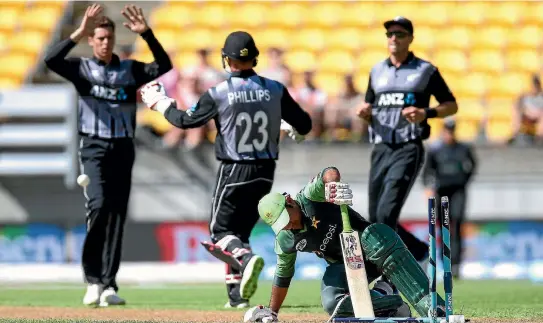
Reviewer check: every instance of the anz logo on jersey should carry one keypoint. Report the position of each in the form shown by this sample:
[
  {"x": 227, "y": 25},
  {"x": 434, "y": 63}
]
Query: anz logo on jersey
[
  {"x": 396, "y": 99},
  {"x": 106, "y": 93}
]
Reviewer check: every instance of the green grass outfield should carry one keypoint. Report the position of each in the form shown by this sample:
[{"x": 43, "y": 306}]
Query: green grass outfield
[{"x": 476, "y": 299}]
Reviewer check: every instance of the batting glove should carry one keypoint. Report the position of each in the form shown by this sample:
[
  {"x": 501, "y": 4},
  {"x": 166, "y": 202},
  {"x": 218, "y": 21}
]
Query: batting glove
[
  {"x": 154, "y": 96},
  {"x": 292, "y": 133},
  {"x": 260, "y": 314},
  {"x": 338, "y": 193}
]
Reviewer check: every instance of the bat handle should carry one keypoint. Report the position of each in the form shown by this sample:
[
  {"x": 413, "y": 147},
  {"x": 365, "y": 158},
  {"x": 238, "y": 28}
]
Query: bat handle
[{"x": 345, "y": 219}]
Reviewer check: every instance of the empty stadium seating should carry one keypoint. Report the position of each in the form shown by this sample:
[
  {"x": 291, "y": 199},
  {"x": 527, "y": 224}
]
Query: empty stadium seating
[{"x": 25, "y": 30}]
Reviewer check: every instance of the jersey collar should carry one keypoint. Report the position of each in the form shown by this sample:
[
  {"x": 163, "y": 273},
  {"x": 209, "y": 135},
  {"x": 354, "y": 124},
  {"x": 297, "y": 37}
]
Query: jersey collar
[
  {"x": 245, "y": 73},
  {"x": 115, "y": 61},
  {"x": 409, "y": 59}
]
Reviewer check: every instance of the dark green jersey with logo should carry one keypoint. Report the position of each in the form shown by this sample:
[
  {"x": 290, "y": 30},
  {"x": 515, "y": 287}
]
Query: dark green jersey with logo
[{"x": 320, "y": 235}]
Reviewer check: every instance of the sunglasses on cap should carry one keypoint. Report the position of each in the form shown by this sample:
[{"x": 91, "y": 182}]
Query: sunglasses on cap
[{"x": 398, "y": 34}]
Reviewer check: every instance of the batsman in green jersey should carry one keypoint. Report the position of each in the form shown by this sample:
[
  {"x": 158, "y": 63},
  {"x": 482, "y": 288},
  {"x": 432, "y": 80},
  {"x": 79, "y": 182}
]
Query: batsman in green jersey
[{"x": 311, "y": 222}]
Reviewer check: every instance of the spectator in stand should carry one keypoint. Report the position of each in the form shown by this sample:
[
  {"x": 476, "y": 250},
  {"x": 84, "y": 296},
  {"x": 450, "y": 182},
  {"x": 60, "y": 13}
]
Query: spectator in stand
[
  {"x": 528, "y": 115},
  {"x": 313, "y": 101},
  {"x": 341, "y": 112},
  {"x": 277, "y": 69}
]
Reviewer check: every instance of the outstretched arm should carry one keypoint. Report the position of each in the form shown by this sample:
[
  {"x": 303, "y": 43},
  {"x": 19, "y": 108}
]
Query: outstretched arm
[{"x": 327, "y": 187}]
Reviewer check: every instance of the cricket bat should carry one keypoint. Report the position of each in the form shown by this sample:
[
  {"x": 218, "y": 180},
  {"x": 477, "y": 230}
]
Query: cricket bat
[{"x": 354, "y": 267}]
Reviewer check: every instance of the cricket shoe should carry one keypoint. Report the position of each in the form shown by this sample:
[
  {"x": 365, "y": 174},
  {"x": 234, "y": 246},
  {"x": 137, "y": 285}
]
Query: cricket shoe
[
  {"x": 109, "y": 297},
  {"x": 249, "y": 280},
  {"x": 240, "y": 305},
  {"x": 92, "y": 296}
]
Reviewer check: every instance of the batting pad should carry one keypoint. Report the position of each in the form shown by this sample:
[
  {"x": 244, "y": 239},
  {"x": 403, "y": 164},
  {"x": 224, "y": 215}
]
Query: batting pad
[{"x": 383, "y": 247}]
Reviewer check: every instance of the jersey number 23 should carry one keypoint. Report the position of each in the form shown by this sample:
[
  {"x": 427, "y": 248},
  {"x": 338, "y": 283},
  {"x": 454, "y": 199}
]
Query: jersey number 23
[{"x": 253, "y": 130}]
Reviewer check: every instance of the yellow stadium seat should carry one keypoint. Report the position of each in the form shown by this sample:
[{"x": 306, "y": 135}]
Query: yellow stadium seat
[
  {"x": 300, "y": 60},
  {"x": 436, "y": 126},
  {"x": 533, "y": 11},
  {"x": 474, "y": 85},
  {"x": 509, "y": 84},
  {"x": 169, "y": 16},
  {"x": 31, "y": 42},
  {"x": 433, "y": 14},
  {"x": 467, "y": 131},
  {"x": 215, "y": 59},
  {"x": 499, "y": 131},
  {"x": 286, "y": 14},
  {"x": 9, "y": 18},
  {"x": 490, "y": 61},
  {"x": 389, "y": 11},
  {"x": 490, "y": 37},
  {"x": 330, "y": 83},
  {"x": 524, "y": 60},
  {"x": 453, "y": 80},
  {"x": 367, "y": 59},
  {"x": 4, "y": 41},
  {"x": 41, "y": 18},
  {"x": 527, "y": 37},
  {"x": 143, "y": 56},
  {"x": 470, "y": 110},
  {"x": 194, "y": 39},
  {"x": 374, "y": 38},
  {"x": 451, "y": 61},
  {"x": 455, "y": 37},
  {"x": 310, "y": 39},
  {"x": 272, "y": 37},
  {"x": 10, "y": 83},
  {"x": 185, "y": 59},
  {"x": 251, "y": 14},
  {"x": 360, "y": 14},
  {"x": 425, "y": 38},
  {"x": 345, "y": 38},
  {"x": 336, "y": 61},
  {"x": 169, "y": 39},
  {"x": 505, "y": 13},
  {"x": 214, "y": 14},
  {"x": 17, "y": 65},
  {"x": 146, "y": 117},
  {"x": 499, "y": 126},
  {"x": 324, "y": 14},
  {"x": 14, "y": 4},
  {"x": 468, "y": 13},
  {"x": 500, "y": 108},
  {"x": 361, "y": 81},
  {"x": 423, "y": 54}
]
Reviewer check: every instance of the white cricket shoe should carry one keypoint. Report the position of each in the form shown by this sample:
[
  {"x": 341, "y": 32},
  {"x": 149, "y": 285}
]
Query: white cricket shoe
[
  {"x": 249, "y": 280},
  {"x": 240, "y": 305},
  {"x": 110, "y": 298},
  {"x": 92, "y": 296}
]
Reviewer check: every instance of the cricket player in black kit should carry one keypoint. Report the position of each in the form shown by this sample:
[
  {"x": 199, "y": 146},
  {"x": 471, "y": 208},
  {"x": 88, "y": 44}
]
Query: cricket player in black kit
[
  {"x": 448, "y": 170},
  {"x": 397, "y": 108},
  {"x": 107, "y": 119},
  {"x": 248, "y": 110}
]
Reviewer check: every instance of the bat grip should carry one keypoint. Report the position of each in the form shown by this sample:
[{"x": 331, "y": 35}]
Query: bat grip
[{"x": 345, "y": 219}]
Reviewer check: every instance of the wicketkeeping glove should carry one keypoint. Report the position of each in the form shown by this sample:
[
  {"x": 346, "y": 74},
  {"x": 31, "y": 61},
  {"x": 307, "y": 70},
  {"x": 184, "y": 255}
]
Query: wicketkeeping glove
[
  {"x": 154, "y": 96},
  {"x": 260, "y": 314},
  {"x": 338, "y": 193},
  {"x": 292, "y": 133}
]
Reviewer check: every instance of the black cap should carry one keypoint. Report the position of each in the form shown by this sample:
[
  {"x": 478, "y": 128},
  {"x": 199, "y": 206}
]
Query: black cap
[
  {"x": 400, "y": 21},
  {"x": 241, "y": 46}
]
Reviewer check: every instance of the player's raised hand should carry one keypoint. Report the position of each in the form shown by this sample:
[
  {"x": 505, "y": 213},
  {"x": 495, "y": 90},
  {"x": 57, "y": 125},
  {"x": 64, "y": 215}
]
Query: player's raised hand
[
  {"x": 338, "y": 193},
  {"x": 135, "y": 19},
  {"x": 90, "y": 19},
  {"x": 292, "y": 133},
  {"x": 152, "y": 93}
]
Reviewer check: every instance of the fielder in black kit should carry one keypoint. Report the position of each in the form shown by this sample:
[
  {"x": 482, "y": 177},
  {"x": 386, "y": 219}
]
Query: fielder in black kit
[
  {"x": 396, "y": 108},
  {"x": 248, "y": 110}
]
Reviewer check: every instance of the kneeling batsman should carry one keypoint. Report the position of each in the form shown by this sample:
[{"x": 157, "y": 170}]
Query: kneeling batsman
[{"x": 311, "y": 222}]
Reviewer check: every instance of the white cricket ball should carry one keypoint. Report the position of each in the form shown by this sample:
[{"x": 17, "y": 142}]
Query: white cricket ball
[{"x": 83, "y": 180}]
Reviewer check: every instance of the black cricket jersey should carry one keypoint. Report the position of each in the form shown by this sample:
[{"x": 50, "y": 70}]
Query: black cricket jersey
[
  {"x": 449, "y": 166},
  {"x": 247, "y": 109},
  {"x": 390, "y": 89},
  {"x": 107, "y": 92}
]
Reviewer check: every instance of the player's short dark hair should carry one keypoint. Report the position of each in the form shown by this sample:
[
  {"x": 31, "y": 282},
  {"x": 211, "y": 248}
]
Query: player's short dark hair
[{"x": 105, "y": 22}]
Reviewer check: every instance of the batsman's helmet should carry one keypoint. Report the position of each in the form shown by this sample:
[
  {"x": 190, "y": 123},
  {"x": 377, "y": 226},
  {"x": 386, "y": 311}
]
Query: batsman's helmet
[
  {"x": 272, "y": 211},
  {"x": 240, "y": 46}
]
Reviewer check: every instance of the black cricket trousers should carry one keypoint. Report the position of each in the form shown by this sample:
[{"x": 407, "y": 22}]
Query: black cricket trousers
[
  {"x": 108, "y": 163},
  {"x": 394, "y": 170},
  {"x": 234, "y": 211}
]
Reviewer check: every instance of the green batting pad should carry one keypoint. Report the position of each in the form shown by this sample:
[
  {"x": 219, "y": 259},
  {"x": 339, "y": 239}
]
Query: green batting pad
[
  {"x": 382, "y": 305},
  {"x": 384, "y": 248}
]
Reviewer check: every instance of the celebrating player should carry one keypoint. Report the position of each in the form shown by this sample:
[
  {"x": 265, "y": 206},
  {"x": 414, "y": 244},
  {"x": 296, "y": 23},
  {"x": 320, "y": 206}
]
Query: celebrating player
[{"x": 311, "y": 222}]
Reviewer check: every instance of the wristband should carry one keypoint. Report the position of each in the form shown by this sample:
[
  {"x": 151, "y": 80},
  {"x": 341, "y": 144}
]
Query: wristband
[{"x": 430, "y": 113}]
